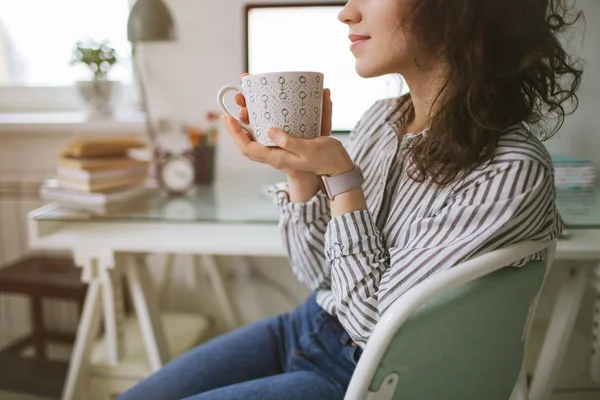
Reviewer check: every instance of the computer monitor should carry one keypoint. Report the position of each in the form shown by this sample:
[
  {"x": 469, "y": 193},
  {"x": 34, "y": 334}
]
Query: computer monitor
[{"x": 309, "y": 37}]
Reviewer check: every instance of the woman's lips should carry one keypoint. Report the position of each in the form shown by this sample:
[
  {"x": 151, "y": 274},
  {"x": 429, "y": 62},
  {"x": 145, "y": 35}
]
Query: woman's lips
[{"x": 357, "y": 40}]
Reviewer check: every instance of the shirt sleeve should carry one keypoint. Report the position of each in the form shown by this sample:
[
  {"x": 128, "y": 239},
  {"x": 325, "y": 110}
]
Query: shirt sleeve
[
  {"x": 303, "y": 227},
  {"x": 513, "y": 203}
]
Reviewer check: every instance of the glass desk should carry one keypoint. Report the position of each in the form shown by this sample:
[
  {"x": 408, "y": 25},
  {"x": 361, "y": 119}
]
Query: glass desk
[
  {"x": 245, "y": 200},
  {"x": 236, "y": 200}
]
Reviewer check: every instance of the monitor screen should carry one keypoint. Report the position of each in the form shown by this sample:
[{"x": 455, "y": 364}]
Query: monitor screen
[{"x": 309, "y": 37}]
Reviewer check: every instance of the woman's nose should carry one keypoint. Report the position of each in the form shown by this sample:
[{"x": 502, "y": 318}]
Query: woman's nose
[{"x": 349, "y": 14}]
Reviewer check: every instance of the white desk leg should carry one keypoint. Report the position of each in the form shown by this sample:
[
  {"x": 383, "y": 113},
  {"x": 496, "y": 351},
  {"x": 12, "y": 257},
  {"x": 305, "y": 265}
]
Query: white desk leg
[
  {"x": 559, "y": 332},
  {"x": 595, "y": 359},
  {"x": 95, "y": 263},
  {"x": 146, "y": 307},
  {"x": 212, "y": 269},
  {"x": 87, "y": 330},
  {"x": 114, "y": 312}
]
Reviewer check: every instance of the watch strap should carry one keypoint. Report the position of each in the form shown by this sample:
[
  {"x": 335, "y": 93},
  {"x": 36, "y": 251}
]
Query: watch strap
[{"x": 336, "y": 185}]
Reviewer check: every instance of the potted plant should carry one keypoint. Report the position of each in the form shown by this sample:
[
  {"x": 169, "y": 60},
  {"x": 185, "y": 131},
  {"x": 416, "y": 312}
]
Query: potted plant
[{"x": 98, "y": 93}]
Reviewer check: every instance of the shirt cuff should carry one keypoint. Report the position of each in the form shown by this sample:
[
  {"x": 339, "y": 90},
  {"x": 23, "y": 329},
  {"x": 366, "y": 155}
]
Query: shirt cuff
[
  {"x": 314, "y": 209},
  {"x": 350, "y": 234}
]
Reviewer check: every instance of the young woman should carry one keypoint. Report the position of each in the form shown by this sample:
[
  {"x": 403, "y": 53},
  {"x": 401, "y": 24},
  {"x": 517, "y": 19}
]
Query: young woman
[{"x": 452, "y": 170}]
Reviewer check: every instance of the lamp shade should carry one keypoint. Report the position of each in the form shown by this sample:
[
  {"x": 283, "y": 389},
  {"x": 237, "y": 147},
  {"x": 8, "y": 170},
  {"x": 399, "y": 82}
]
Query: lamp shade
[{"x": 150, "y": 21}]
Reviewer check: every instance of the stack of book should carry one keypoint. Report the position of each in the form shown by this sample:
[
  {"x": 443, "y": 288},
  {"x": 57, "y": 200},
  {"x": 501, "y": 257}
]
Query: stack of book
[
  {"x": 572, "y": 172},
  {"x": 575, "y": 180},
  {"x": 97, "y": 172}
]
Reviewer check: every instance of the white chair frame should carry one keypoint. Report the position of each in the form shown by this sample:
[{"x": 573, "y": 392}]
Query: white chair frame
[{"x": 425, "y": 291}]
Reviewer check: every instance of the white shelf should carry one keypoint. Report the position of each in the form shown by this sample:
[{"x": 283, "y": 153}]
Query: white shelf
[{"x": 66, "y": 123}]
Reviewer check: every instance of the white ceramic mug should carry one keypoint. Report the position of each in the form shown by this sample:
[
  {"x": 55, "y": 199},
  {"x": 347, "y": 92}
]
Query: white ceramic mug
[{"x": 291, "y": 101}]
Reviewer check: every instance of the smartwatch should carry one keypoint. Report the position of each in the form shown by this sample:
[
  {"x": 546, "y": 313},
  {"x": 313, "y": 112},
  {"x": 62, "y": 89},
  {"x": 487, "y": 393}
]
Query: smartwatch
[{"x": 335, "y": 185}]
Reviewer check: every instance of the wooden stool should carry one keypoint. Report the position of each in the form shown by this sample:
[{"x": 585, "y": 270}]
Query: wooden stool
[{"x": 38, "y": 278}]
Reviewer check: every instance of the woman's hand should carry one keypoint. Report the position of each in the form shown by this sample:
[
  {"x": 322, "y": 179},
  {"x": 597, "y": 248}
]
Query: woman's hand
[
  {"x": 321, "y": 156},
  {"x": 240, "y": 100},
  {"x": 293, "y": 175}
]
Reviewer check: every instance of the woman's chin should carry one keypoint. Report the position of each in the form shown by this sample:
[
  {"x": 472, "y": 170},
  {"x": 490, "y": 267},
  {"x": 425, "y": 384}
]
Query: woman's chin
[
  {"x": 364, "y": 74},
  {"x": 367, "y": 71}
]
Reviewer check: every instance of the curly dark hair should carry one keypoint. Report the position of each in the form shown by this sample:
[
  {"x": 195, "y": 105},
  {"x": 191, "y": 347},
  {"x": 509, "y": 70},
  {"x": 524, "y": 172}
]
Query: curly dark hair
[{"x": 506, "y": 65}]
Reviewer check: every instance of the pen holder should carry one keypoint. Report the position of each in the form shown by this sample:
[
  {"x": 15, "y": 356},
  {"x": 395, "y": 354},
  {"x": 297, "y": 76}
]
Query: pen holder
[{"x": 204, "y": 161}]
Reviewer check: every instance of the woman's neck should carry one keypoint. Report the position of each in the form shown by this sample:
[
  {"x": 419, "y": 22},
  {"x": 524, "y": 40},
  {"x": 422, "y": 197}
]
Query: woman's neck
[{"x": 424, "y": 86}]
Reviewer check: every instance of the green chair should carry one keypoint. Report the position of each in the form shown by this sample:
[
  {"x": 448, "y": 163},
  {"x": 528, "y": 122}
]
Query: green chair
[{"x": 458, "y": 335}]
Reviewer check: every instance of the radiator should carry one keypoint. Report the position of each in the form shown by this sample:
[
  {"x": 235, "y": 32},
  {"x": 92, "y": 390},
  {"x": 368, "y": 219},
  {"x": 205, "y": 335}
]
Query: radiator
[{"x": 18, "y": 196}]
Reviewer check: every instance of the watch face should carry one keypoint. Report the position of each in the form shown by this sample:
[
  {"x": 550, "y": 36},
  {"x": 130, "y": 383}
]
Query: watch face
[{"x": 177, "y": 174}]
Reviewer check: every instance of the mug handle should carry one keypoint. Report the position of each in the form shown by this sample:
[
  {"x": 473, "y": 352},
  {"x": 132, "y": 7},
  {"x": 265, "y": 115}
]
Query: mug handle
[{"x": 221, "y": 100}]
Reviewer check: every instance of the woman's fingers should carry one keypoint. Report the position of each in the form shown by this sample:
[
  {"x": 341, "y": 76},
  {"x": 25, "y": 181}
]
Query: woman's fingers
[
  {"x": 276, "y": 157},
  {"x": 243, "y": 140},
  {"x": 244, "y": 115},
  {"x": 240, "y": 100},
  {"x": 235, "y": 130}
]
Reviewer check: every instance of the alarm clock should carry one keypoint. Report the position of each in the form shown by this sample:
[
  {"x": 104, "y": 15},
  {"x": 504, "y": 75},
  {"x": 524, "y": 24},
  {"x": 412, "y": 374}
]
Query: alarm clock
[{"x": 176, "y": 173}]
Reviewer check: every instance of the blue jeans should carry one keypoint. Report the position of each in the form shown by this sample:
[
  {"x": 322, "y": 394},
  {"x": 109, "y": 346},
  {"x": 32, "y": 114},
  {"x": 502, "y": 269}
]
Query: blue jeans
[{"x": 304, "y": 354}]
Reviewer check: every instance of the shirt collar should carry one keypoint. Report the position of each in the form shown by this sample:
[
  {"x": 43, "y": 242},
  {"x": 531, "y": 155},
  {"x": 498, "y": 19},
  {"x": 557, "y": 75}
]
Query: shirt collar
[{"x": 399, "y": 111}]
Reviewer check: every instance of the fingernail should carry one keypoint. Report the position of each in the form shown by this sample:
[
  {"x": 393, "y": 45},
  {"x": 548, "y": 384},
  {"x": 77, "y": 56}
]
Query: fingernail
[{"x": 273, "y": 132}]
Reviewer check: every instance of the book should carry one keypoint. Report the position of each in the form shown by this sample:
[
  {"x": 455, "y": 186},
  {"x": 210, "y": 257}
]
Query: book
[
  {"x": 100, "y": 163},
  {"x": 52, "y": 191},
  {"x": 101, "y": 146},
  {"x": 79, "y": 175},
  {"x": 103, "y": 185},
  {"x": 573, "y": 172}
]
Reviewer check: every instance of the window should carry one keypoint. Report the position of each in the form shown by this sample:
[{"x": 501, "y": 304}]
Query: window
[{"x": 37, "y": 38}]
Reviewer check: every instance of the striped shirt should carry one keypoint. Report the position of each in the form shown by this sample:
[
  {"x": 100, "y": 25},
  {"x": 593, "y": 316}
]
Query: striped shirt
[{"x": 361, "y": 262}]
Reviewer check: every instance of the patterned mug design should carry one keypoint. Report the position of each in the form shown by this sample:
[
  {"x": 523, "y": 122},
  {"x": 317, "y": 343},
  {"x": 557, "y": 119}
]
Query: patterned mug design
[{"x": 290, "y": 101}]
